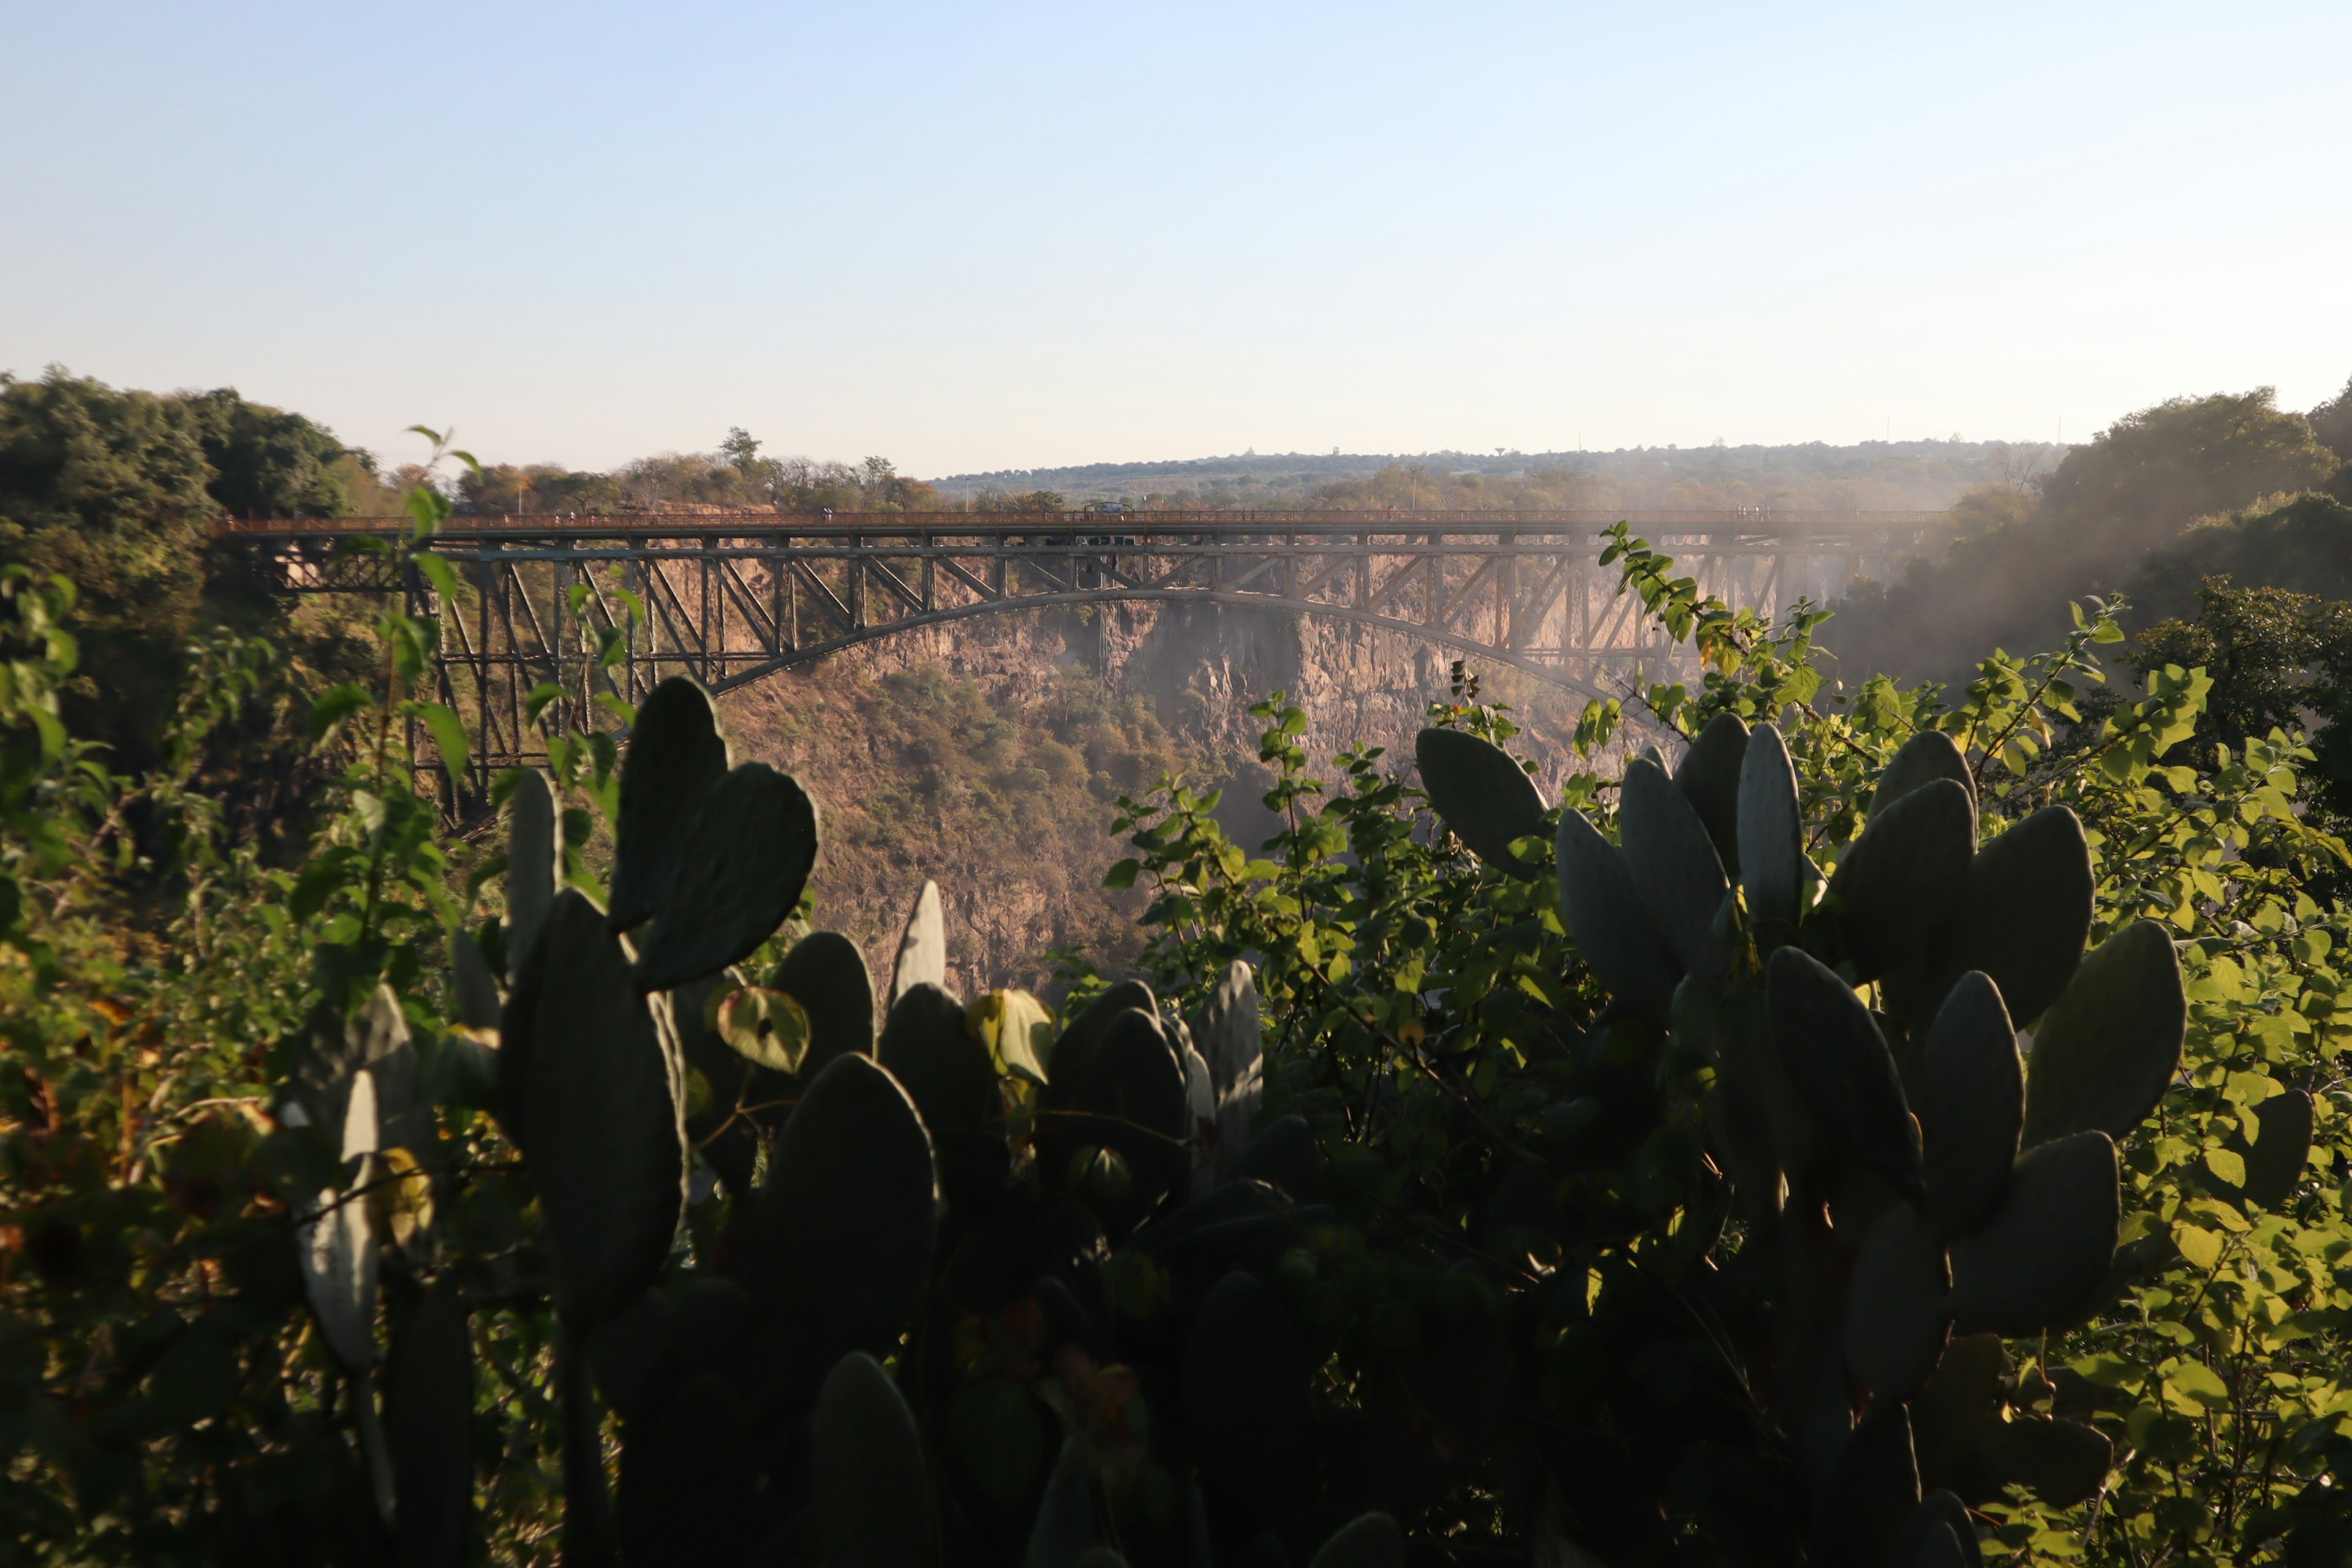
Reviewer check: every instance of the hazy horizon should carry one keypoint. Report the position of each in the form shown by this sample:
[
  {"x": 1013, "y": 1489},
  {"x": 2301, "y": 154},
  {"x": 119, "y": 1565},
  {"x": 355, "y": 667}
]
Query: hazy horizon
[{"x": 1023, "y": 237}]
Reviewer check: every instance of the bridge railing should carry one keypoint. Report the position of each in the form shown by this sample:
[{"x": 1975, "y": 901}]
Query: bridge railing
[{"x": 757, "y": 522}]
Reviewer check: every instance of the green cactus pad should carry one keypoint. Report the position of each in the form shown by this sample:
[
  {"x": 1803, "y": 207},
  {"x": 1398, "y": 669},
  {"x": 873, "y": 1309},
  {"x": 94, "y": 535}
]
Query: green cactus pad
[
  {"x": 1128, "y": 1098},
  {"x": 1676, "y": 872},
  {"x": 996, "y": 1431},
  {"x": 1772, "y": 869},
  {"x": 1873, "y": 1491},
  {"x": 1937, "y": 1548},
  {"x": 534, "y": 863},
  {"x": 1605, "y": 916},
  {"x": 1926, "y": 756},
  {"x": 734, "y": 879},
  {"x": 2023, "y": 920},
  {"x": 1482, "y": 793},
  {"x": 429, "y": 1418},
  {"x": 1940, "y": 1514},
  {"x": 871, "y": 1489},
  {"x": 2062, "y": 1462},
  {"x": 1839, "y": 1066},
  {"x": 1739, "y": 1128},
  {"x": 687, "y": 1482},
  {"x": 2276, "y": 1157},
  {"x": 1247, "y": 1402},
  {"x": 1971, "y": 1449},
  {"x": 1367, "y": 1541},
  {"x": 589, "y": 1092},
  {"x": 922, "y": 946},
  {"x": 676, "y": 755},
  {"x": 825, "y": 972},
  {"x": 475, "y": 989},
  {"x": 1896, "y": 1319},
  {"x": 837, "y": 1251},
  {"x": 1284, "y": 1154},
  {"x": 627, "y": 1354},
  {"x": 1899, "y": 882},
  {"x": 1971, "y": 1105},
  {"x": 1075, "y": 1047},
  {"x": 930, "y": 1051},
  {"x": 2107, "y": 1050},
  {"x": 1064, "y": 1530},
  {"x": 2042, "y": 1256},
  {"x": 1709, "y": 779},
  {"x": 1232, "y": 1041}
]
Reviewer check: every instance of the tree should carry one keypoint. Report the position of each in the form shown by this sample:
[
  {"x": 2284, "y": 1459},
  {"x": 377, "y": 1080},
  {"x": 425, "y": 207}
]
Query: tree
[
  {"x": 109, "y": 489},
  {"x": 2304, "y": 545},
  {"x": 2143, "y": 479},
  {"x": 503, "y": 488},
  {"x": 267, "y": 462},
  {"x": 2269, "y": 652},
  {"x": 117, "y": 491},
  {"x": 2280, "y": 661},
  {"x": 2135, "y": 487},
  {"x": 2331, "y": 422},
  {"x": 740, "y": 449}
]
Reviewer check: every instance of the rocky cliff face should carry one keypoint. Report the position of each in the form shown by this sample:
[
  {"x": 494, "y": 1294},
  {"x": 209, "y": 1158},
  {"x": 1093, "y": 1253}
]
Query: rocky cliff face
[{"x": 987, "y": 755}]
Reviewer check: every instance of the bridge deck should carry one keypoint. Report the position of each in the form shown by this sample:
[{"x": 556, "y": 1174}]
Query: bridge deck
[{"x": 1793, "y": 525}]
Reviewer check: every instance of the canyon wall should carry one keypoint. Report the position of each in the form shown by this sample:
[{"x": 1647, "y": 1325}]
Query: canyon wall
[{"x": 988, "y": 754}]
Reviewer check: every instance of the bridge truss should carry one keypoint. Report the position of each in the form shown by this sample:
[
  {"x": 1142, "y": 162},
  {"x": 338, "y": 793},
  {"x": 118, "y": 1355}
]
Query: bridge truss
[{"x": 610, "y": 605}]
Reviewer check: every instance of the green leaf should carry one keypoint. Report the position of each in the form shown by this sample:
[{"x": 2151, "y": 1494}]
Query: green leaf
[
  {"x": 335, "y": 704},
  {"x": 1122, "y": 875},
  {"x": 449, "y": 736},
  {"x": 439, "y": 573},
  {"x": 2230, "y": 1167},
  {"x": 2202, "y": 1248},
  {"x": 2193, "y": 1388},
  {"x": 545, "y": 692},
  {"x": 765, "y": 1026}
]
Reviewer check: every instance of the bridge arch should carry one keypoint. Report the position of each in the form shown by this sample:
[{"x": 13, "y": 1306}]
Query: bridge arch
[{"x": 1549, "y": 673}]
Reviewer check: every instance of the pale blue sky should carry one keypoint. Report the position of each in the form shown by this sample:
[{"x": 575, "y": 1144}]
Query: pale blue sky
[{"x": 988, "y": 236}]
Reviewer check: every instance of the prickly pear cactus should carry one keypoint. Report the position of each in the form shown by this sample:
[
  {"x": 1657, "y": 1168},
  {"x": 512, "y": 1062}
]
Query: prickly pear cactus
[
  {"x": 953, "y": 1283},
  {"x": 1905, "y": 1175}
]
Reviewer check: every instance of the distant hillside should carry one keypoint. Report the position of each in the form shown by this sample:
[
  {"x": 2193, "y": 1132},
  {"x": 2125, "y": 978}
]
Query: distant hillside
[{"x": 1875, "y": 475}]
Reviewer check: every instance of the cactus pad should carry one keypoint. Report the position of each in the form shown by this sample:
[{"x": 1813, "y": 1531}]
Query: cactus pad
[
  {"x": 2106, "y": 1051},
  {"x": 1971, "y": 1105},
  {"x": 534, "y": 862},
  {"x": 1605, "y": 916},
  {"x": 825, "y": 972},
  {"x": 1839, "y": 1066},
  {"x": 1899, "y": 880},
  {"x": 591, "y": 1090},
  {"x": 933, "y": 1053},
  {"x": 872, "y": 1492},
  {"x": 734, "y": 876},
  {"x": 1709, "y": 777},
  {"x": 1772, "y": 835},
  {"x": 1896, "y": 1319},
  {"x": 675, "y": 756},
  {"x": 1482, "y": 793},
  {"x": 2042, "y": 1256},
  {"x": 1676, "y": 873},
  {"x": 837, "y": 1253}
]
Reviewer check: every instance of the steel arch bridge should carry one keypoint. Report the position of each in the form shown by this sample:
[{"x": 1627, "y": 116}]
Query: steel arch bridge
[{"x": 610, "y": 606}]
